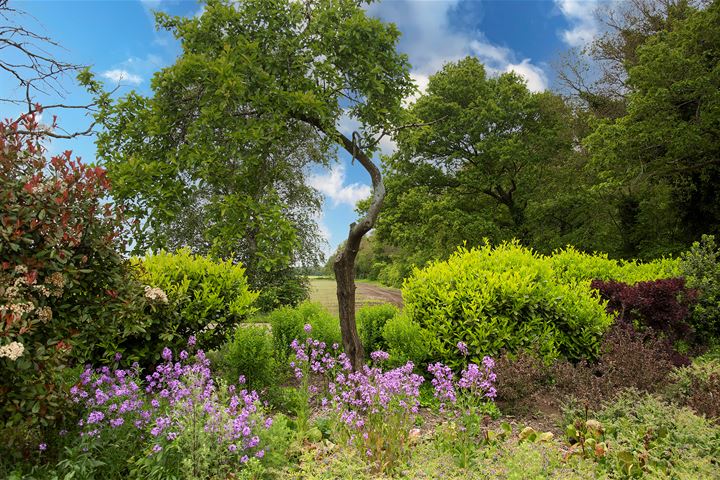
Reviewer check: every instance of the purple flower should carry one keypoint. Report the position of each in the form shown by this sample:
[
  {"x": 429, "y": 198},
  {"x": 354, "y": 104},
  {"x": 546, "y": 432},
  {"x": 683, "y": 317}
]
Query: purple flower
[
  {"x": 157, "y": 448},
  {"x": 116, "y": 422},
  {"x": 167, "y": 354},
  {"x": 232, "y": 447},
  {"x": 118, "y": 356},
  {"x": 462, "y": 347},
  {"x": 307, "y": 328},
  {"x": 95, "y": 417},
  {"x": 191, "y": 341},
  {"x": 42, "y": 447},
  {"x": 379, "y": 356},
  {"x": 260, "y": 453}
]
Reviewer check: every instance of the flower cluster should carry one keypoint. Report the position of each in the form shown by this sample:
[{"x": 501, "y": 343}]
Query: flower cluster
[
  {"x": 13, "y": 350},
  {"x": 475, "y": 380},
  {"x": 161, "y": 406},
  {"x": 480, "y": 379},
  {"x": 155, "y": 294},
  {"x": 468, "y": 400},
  {"x": 375, "y": 408}
]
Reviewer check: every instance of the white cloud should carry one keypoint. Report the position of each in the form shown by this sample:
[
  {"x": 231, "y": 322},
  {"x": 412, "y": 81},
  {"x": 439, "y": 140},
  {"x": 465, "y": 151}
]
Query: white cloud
[
  {"x": 431, "y": 42},
  {"x": 325, "y": 235},
  {"x": 332, "y": 185},
  {"x": 581, "y": 16},
  {"x": 118, "y": 75},
  {"x": 535, "y": 76},
  {"x": 347, "y": 124},
  {"x": 387, "y": 145}
]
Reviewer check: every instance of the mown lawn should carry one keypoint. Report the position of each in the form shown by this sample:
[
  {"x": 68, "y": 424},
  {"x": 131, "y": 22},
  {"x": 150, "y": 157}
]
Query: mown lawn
[{"x": 323, "y": 291}]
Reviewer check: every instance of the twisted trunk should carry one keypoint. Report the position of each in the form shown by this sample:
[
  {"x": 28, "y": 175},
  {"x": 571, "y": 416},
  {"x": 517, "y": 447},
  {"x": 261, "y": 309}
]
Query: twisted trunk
[{"x": 344, "y": 265}]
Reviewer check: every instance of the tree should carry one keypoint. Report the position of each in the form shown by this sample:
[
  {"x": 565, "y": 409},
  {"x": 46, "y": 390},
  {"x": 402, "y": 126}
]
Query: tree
[
  {"x": 254, "y": 78},
  {"x": 470, "y": 171},
  {"x": 28, "y": 59},
  {"x": 666, "y": 147},
  {"x": 597, "y": 74}
]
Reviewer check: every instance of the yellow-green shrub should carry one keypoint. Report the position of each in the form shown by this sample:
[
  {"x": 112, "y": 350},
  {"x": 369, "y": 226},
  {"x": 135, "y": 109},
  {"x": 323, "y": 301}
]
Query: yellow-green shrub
[
  {"x": 504, "y": 298},
  {"x": 205, "y": 297},
  {"x": 570, "y": 264}
]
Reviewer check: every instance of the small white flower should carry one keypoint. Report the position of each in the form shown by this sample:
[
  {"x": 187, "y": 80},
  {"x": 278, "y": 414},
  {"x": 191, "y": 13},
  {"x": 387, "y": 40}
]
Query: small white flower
[
  {"x": 13, "y": 351},
  {"x": 155, "y": 294}
]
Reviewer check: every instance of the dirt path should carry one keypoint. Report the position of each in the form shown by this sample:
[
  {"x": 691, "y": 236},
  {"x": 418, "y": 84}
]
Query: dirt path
[{"x": 384, "y": 294}]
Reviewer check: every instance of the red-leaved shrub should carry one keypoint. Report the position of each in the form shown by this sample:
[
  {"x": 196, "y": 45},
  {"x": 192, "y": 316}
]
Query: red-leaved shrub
[
  {"x": 65, "y": 289},
  {"x": 663, "y": 305}
]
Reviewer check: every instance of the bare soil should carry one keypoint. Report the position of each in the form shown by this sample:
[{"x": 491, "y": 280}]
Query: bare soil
[{"x": 376, "y": 292}]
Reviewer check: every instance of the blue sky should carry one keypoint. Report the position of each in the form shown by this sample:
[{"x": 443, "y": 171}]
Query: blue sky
[{"x": 118, "y": 39}]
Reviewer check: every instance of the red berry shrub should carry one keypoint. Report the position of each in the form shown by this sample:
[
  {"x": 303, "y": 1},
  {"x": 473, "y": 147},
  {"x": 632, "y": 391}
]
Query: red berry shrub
[
  {"x": 663, "y": 305},
  {"x": 65, "y": 289}
]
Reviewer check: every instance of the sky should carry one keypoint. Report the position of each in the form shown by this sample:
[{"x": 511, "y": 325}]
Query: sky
[{"x": 118, "y": 40}]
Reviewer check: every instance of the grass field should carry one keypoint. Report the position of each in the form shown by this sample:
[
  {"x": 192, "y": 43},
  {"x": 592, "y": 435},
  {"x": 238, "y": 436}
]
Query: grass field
[{"x": 322, "y": 290}]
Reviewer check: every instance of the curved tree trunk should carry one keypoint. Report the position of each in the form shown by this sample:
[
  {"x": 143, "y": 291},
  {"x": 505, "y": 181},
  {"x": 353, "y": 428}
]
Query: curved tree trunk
[{"x": 344, "y": 265}]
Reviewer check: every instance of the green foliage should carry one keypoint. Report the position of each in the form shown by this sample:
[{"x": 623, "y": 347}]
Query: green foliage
[
  {"x": 217, "y": 157},
  {"x": 287, "y": 324},
  {"x": 504, "y": 298},
  {"x": 647, "y": 436},
  {"x": 65, "y": 288},
  {"x": 460, "y": 178},
  {"x": 371, "y": 321},
  {"x": 406, "y": 341},
  {"x": 202, "y": 297},
  {"x": 663, "y": 152},
  {"x": 697, "y": 386},
  {"x": 393, "y": 274},
  {"x": 570, "y": 265},
  {"x": 249, "y": 353},
  {"x": 701, "y": 268}
]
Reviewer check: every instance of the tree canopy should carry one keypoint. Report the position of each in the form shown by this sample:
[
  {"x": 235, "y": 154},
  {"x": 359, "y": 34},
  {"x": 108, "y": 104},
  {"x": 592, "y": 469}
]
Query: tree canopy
[{"x": 219, "y": 150}]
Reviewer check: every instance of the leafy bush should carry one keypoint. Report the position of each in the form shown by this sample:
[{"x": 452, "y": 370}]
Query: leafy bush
[
  {"x": 288, "y": 322},
  {"x": 698, "y": 387},
  {"x": 521, "y": 379},
  {"x": 571, "y": 265},
  {"x": 701, "y": 268},
  {"x": 406, "y": 341},
  {"x": 202, "y": 297},
  {"x": 663, "y": 305},
  {"x": 504, "y": 298},
  {"x": 249, "y": 353},
  {"x": 628, "y": 359},
  {"x": 65, "y": 289},
  {"x": 370, "y": 323},
  {"x": 280, "y": 287}
]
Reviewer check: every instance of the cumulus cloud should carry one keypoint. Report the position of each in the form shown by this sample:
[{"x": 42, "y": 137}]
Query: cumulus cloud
[
  {"x": 118, "y": 75},
  {"x": 332, "y": 185},
  {"x": 580, "y": 14},
  {"x": 535, "y": 76},
  {"x": 430, "y": 42}
]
